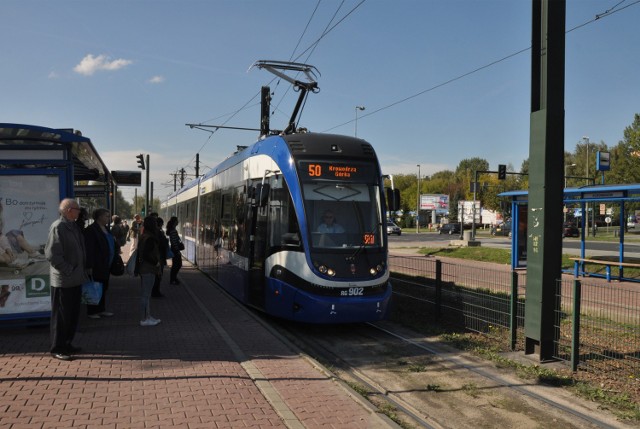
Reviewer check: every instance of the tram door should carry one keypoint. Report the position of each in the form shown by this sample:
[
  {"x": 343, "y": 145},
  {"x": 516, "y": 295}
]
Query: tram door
[{"x": 258, "y": 215}]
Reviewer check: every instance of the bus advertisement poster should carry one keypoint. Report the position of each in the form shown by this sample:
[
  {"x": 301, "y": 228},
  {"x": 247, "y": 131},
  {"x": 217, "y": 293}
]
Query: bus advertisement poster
[{"x": 28, "y": 206}]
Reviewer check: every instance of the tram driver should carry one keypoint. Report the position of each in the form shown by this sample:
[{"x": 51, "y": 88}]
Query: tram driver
[{"x": 329, "y": 224}]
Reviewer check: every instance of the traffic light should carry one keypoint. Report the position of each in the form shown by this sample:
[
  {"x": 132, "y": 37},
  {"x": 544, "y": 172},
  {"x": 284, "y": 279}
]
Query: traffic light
[
  {"x": 502, "y": 172},
  {"x": 140, "y": 161}
]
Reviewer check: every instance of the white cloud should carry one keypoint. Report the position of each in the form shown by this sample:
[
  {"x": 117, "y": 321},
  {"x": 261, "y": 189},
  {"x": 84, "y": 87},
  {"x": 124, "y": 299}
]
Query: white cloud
[
  {"x": 90, "y": 64},
  {"x": 53, "y": 75},
  {"x": 156, "y": 79}
]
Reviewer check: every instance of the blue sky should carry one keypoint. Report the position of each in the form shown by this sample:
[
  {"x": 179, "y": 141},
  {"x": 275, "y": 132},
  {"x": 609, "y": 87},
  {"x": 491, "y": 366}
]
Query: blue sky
[{"x": 131, "y": 74}]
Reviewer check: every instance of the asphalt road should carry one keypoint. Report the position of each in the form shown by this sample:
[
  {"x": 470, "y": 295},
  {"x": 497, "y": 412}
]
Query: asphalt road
[{"x": 569, "y": 245}]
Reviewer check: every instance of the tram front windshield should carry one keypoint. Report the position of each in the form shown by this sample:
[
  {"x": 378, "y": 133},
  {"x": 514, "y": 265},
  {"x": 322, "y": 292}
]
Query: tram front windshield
[{"x": 343, "y": 215}]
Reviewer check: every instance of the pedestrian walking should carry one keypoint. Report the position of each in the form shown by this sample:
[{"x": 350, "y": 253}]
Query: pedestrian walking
[{"x": 65, "y": 251}]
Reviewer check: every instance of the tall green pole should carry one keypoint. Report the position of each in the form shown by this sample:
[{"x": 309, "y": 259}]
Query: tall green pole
[{"x": 546, "y": 155}]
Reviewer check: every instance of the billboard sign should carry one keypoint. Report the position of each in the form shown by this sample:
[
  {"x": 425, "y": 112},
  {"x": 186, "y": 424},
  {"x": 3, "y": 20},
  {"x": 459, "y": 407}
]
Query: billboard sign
[
  {"x": 437, "y": 202},
  {"x": 466, "y": 212}
]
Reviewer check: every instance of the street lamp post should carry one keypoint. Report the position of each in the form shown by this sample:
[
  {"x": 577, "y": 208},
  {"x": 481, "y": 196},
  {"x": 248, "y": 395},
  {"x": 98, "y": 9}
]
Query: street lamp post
[
  {"x": 586, "y": 205},
  {"x": 358, "y": 108},
  {"x": 565, "y": 186},
  {"x": 418, "y": 206}
]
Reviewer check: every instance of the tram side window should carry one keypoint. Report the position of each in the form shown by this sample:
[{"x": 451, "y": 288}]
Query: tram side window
[
  {"x": 239, "y": 226},
  {"x": 226, "y": 218},
  {"x": 216, "y": 210},
  {"x": 283, "y": 224},
  {"x": 189, "y": 220},
  {"x": 206, "y": 219}
]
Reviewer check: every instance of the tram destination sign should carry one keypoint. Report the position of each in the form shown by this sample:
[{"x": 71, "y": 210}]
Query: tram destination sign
[
  {"x": 127, "y": 178},
  {"x": 336, "y": 170}
]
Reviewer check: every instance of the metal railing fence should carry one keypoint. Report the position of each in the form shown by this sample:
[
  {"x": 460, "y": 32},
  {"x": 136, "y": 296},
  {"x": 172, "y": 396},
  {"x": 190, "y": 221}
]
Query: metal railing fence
[{"x": 598, "y": 325}]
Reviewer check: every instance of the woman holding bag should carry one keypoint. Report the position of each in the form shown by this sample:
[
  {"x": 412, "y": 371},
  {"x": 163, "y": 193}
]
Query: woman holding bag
[
  {"x": 176, "y": 248},
  {"x": 100, "y": 248}
]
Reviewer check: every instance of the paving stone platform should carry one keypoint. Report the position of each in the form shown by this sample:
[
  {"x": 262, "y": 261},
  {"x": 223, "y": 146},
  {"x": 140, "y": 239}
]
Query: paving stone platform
[{"x": 209, "y": 364}]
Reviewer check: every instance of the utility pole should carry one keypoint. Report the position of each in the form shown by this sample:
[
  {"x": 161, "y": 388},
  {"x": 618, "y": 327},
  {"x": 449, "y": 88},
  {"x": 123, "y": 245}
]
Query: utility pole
[
  {"x": 546, "y": 149},
  {"x": 418, "y": 207},
  {"x": 146, "y": 201}
]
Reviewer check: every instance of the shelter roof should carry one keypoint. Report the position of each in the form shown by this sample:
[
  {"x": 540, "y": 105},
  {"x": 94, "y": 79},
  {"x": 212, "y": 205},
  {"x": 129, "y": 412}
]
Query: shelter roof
[
  {"x": 16, "y": 137},
  {"x": 589, "y": 192}
]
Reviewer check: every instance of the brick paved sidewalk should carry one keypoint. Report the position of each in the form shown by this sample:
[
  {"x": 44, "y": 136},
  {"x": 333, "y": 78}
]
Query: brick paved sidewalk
[{"x": 209, "y": 364}]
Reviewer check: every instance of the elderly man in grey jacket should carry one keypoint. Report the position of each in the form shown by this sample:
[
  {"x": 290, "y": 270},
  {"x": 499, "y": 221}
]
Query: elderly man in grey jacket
[{"x": 65, "y": 251}]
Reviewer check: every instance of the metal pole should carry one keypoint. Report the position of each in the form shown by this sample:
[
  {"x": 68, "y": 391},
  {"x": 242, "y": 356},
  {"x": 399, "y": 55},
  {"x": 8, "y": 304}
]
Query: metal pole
[
  {"x": 146, "y": 197},
  {"x": 418, "y": 206},
  {"x": 565, "y": 187},
  {"x": 473, "y": 221},
  {"x": 586, "y": 213}
]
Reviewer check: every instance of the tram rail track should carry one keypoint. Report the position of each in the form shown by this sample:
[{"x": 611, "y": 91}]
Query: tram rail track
[{"x": 422, "y": 383}]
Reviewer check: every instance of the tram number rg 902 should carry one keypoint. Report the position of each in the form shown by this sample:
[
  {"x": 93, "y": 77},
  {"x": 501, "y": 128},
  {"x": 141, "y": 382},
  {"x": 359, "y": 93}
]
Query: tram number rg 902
[{"x": 353, "y": 291}]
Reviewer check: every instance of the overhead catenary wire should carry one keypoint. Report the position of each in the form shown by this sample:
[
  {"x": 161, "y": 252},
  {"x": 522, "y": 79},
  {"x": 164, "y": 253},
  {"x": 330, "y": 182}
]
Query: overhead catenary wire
[
  {"x": 606, "y": 13},
  {"x": 330, "y": 28}
]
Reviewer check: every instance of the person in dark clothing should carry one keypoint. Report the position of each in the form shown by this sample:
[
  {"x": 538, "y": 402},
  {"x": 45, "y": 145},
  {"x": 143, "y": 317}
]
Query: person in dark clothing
[
  {"x": 101, "y": 249},
  {"x": 83, "y": 217},
  {"x": 176, "y": 248},
  {"x": 118, "y": 232},
  {"x": 65, "y": 251},
  {"x": 163, "y": 245},
  {"x": 148, "y": 267}
]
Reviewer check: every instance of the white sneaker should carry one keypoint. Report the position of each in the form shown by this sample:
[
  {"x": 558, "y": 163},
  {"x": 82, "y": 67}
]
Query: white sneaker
[
  {"x": 106, "y": 314},
  {"x": 155, "y": 320},
  {"x": 149, "y": 322}
]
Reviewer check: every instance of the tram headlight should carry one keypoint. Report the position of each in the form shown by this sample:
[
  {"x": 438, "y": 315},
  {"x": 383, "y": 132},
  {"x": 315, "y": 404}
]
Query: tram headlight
[
  {"x": 376, "y": 270},
  {"x": 326, "y": 270}
]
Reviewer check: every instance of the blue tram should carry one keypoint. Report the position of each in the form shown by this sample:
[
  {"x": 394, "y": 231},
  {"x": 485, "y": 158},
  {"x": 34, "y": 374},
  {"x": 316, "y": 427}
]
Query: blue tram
[{"x": 255, "y": 225}]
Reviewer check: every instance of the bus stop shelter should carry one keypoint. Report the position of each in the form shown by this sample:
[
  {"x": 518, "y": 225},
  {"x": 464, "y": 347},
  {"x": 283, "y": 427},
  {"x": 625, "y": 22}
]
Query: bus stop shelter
[
  {"x": 588, "y": 200},
  {"x": 39, "y": 167}
]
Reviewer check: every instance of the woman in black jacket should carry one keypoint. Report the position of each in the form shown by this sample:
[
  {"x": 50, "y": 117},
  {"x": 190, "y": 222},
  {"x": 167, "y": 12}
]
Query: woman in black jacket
[
  {"x": 176, "y": 248},
  {"x": 100, "y": 248}
]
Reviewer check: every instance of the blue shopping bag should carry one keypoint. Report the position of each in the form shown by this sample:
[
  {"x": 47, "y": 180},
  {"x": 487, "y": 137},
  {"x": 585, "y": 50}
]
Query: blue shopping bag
[{"x": 91, "y": 293}]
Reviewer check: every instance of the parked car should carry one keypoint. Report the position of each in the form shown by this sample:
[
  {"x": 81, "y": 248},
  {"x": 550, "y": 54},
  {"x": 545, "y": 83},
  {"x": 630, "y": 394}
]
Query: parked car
[
  {"x": 450, "y": 228},
  {"x": 392, "y": 228},
  {"x": 570, "y": 229},
  {"x": 502, "y": 229}
]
